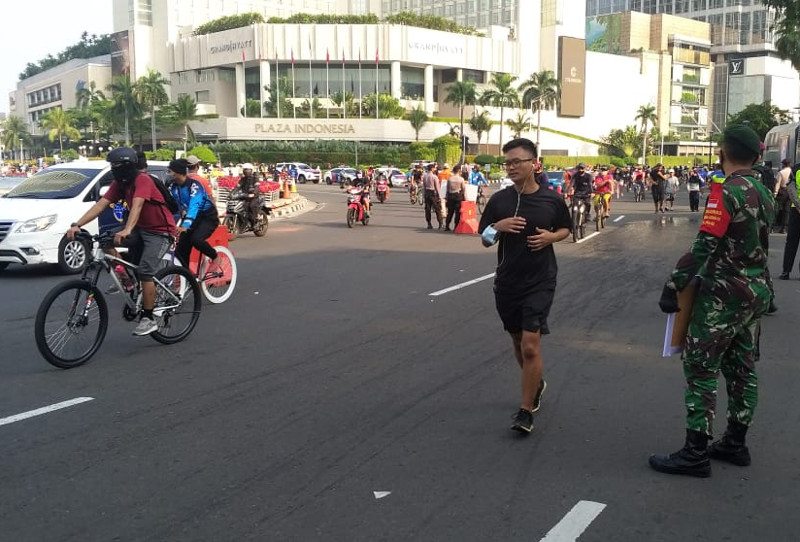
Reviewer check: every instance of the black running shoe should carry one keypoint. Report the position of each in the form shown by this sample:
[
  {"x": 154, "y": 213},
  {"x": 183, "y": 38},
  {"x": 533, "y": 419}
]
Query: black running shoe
[
  {"x": 537, "y": 401},
  {"x": 523, "y": 421}
]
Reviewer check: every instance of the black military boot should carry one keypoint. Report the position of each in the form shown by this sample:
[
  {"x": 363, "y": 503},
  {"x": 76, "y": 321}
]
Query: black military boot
[
  {"x": 691, "y": 460},
  {"x": 731, "y": 446}
]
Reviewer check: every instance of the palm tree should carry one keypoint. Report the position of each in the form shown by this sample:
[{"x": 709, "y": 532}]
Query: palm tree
[
  {"x": 86, "y": 96},
  {"x": 502, "y": 95},
  {"x": 123, "y": 101},
  {"x": 418, "y": 118},
  {"x": 542, "y": 91},
  {"x": 150, "y": 91},
  {"x": 13, "y": 130},
  {"x": 519, "y": 124},
  {"x": 646, "y": 114},
  {"x": 480, "y": 124},
  {"x": 462, "y": 94},
  {"x": 58, "y": 123},
  {"x": 181, "y": 113}
]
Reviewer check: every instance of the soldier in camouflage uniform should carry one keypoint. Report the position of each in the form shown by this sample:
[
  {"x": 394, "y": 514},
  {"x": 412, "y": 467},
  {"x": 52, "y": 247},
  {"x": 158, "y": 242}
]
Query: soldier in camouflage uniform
[{"x": 728, "y": 260}]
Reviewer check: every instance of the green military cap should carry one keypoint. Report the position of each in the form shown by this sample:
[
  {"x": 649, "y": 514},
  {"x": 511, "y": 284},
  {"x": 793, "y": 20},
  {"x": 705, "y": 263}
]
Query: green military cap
[{"x": 744, "y": 136}]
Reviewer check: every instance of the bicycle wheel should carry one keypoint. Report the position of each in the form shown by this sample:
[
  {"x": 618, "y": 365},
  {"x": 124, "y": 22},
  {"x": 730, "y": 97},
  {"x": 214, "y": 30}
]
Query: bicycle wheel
[
  {"x": 480, "y": 203},
  {"x": 575, "y": 226},
  {"x": 177, "y": 306},
  {"x": 71, "y": 323},
  {"x": 218, "y": 287}
]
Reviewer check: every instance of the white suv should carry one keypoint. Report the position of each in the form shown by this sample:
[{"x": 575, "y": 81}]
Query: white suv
[
  {"x": 304, "y": 171},
  {"x": 35, "y": 214}
]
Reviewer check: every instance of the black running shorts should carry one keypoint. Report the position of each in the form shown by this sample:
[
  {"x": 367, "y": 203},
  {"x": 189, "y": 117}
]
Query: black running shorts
[{"x": 526, "y": 312}]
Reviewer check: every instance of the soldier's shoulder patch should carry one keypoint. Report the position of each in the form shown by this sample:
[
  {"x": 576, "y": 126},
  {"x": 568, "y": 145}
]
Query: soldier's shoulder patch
[{"x": 716, "y": 218}]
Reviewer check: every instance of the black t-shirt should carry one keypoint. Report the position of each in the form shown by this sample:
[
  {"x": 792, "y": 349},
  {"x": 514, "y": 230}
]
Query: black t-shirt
[
  {"x": 659, "y": 183},
  {"x": 520, "y": 269},
  {"x": 583, "y": 183}
]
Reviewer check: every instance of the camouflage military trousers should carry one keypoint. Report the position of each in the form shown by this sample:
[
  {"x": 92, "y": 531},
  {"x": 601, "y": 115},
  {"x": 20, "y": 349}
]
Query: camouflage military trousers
[{"x": 723, "y": 336}]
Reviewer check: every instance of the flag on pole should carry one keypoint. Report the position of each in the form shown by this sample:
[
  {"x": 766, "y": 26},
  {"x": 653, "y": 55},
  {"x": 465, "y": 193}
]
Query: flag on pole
[
  {"x": 327, "y": 82},
  {"x": 294, "y": 108},
  {"x": 344, "y": 92},
  {"x": 377, "y": 79},
  {"x": 242, "y": 55},
  {"x": 360, "y": 94},
  {"x": 310, "y": 81},
  {"x": 277, "y": 84}
]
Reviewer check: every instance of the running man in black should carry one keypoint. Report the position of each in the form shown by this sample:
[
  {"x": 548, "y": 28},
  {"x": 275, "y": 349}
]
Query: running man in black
[{"x": 529, "y": 219}]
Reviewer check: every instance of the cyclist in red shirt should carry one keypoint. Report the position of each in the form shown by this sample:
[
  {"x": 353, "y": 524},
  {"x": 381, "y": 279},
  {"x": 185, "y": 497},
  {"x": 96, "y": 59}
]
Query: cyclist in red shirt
[{"x": 603, "y": 187}]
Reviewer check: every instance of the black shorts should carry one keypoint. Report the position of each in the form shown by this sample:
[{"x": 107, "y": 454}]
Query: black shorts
[{"x": 527, "y": 312}]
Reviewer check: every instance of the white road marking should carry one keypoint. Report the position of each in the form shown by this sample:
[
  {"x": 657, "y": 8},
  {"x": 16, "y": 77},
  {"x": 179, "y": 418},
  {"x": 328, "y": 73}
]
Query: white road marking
[
  {"x": 619, "y": 218},
  {"x": 462, "y": 285},
  {"x": 575, "y": 522},
  {"x": 44, "y": 410},
  {"x": 589, "y": 237},
  {"x": 381, "y": 494}
]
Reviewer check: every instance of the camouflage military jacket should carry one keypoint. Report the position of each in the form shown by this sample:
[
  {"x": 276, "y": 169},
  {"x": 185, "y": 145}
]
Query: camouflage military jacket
[{"x": 730, "y": 251}]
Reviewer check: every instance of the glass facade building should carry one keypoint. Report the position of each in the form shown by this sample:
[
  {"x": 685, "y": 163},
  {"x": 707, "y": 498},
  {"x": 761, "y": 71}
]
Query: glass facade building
[{"x": 475, "y": 13}]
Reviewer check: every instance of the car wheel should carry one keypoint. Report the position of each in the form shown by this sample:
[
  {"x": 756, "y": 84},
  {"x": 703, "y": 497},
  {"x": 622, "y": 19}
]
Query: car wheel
[
  {"x": 301, "y": 179},
  {"x": 72, "y": 256}
]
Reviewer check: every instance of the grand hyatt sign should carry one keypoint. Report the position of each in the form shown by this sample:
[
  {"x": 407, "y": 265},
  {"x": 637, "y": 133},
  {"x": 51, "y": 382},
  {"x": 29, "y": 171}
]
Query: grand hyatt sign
[{"x": 305, "y": 128}]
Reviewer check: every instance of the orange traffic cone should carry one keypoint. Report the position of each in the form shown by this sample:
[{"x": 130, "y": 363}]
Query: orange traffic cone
[{"x": 286, "y": 190}]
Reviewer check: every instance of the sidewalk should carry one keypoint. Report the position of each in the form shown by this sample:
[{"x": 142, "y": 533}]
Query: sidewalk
[{"x": 285, "y": 208}]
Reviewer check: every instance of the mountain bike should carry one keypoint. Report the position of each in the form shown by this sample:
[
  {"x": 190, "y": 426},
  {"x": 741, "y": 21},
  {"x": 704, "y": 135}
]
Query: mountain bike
[
  {"x": 599, "y": 212},
  {"x": 578, "y": 205},
  {"x": 72, "y": 319}
]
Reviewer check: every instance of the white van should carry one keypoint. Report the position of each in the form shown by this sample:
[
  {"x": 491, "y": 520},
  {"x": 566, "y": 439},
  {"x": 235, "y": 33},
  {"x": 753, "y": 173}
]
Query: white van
[{"x": 35, "y": 214}]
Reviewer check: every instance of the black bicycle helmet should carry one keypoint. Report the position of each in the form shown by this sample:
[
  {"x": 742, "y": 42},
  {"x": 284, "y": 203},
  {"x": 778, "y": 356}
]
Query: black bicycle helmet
[{"x": 122, "y": 155}]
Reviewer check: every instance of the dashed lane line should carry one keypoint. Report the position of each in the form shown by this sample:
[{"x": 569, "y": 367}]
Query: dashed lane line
[
  {"x": 462, "y": 285},
  {"x": 619, "y": 218},
  {"x": 44, "y": 410},
  {"x": 575, "y": 522},
  {"x": 589, "y": 237}
]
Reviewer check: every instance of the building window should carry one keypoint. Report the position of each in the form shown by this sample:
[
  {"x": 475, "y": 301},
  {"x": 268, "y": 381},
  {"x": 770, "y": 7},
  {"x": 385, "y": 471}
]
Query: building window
[
  {"x": 412, "y": 83},
  {"x": 144, "y": 12},
  {"x": 202, "y": 96}
]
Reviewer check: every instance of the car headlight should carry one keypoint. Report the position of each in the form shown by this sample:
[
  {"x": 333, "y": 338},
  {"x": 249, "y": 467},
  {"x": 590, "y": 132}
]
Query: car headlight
[{"x": 37, "y": 224}]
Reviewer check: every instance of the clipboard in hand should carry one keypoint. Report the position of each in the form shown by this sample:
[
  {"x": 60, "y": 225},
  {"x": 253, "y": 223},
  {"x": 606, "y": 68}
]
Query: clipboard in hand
[{"x": 678, "y": 322}]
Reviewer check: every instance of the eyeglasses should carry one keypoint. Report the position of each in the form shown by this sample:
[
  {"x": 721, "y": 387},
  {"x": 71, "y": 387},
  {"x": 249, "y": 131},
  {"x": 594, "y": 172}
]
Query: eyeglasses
[{"x": 512, "y": 164}]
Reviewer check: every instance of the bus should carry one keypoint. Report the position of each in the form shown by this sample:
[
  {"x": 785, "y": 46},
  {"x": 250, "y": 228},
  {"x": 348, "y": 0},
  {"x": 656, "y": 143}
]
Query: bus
[{"x": 782, "y": 142}]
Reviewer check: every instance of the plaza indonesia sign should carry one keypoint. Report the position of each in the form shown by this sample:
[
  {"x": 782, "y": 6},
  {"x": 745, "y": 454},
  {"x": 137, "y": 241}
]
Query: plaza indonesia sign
[{"x": 309, "y": 128}]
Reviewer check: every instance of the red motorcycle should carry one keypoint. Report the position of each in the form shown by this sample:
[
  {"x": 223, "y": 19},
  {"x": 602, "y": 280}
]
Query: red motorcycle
[
  {"x": 355, "y": 207},
  {"x": 382, "y": 189}
]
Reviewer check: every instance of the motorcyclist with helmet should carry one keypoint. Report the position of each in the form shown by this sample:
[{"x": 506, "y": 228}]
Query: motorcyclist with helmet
[
  {"x": 248, "y": 184},
  {"x": 149, "y": 228}
]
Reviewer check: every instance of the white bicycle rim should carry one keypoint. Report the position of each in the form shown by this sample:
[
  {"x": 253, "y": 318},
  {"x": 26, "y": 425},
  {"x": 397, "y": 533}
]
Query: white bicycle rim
[{"x": 209, "y": 295}]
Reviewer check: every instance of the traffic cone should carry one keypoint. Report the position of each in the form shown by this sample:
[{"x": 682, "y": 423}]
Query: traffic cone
[
  {"x": 469, "y": 218},
  {"x": 286, "y": 194},
  {"x": 294, "y": 186}
]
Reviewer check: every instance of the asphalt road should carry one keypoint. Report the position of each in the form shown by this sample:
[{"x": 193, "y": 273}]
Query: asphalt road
[{"x": 332, "y": 374}]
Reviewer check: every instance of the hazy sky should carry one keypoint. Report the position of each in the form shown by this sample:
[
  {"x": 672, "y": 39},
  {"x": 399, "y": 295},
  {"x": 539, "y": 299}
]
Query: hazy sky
[{"x": 32, "y": 29}]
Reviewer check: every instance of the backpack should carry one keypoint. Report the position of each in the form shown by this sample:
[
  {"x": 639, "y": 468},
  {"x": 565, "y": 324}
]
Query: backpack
[
  {"x": 765, "y": 175},
  {"x": 169, "y": 200}
]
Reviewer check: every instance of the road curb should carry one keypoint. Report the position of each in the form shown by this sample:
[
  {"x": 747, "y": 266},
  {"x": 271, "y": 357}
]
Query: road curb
[{"x": 287, "y": 210}]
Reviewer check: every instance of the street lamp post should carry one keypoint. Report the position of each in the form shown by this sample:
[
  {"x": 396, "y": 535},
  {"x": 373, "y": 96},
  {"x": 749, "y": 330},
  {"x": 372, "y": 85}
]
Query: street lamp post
[{"x": 21, "y": 151}]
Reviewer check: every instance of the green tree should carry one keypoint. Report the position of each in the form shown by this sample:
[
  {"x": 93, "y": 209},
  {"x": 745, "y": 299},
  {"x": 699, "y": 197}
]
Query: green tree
[
  {"x": 87, "y": 47},
  {"x": 541, "y": 91},
  {"x": 86, "y": 96},
  {"x": 461, "y": 94},
  {"x": 351, "y": 107},
  {"x": 181, "y": 113},
  {"x": 150, "y": 92},
  {"x": 787, "y": 29},
  {"x": 205, "y": 154},
  {"x": 646, "y": 114},
  {"x": 519, "y": 124},
  {"x": 502, "y": 94},
  {"x": 310, "y": 110},
  {"x": 123, "y": 102},
  {"x": 623, "y": 142},
  {"x": 13, "y": 130},
  {"x": 761, "y": 117},
  {"x": 271, "y": 108},
  {"x": 229, "y": 22},
  {"x": 418, "y": 118},
  {"x": 59, "y": 124},
  {"x": 480, "y": 123},
  {"x": 251, "y": 108},
  {"x": 390, "y": 107}
]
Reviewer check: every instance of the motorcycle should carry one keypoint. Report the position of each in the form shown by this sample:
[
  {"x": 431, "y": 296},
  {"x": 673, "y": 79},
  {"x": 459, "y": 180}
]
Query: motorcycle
[
  {"x": 237, "y": 220},
  {"x": 355, "y": 208},
  {"x": 382, "y": 189},
  {"x": 579, "y": 207}
]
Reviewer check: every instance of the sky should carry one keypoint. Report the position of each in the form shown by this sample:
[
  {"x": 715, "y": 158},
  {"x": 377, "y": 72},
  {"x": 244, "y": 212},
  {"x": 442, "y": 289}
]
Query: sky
[{"x": 32, "y": 29}]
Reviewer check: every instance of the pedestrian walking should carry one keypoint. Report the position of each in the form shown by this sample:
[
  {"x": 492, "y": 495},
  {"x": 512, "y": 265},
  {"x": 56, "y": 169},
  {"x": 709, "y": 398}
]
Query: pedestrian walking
[
  {"x": 792, "y": 225},
  {"x": 657, "y": 185},
  {"x": 730, "y": 256},
  {"x": 526, "y": 219},
  {"x": 455, "y": 195},
  {"x": 782, "y": 196},
  {"x": 430, "y": 183},
  {"x": 693, "y": 186},
  {"x": 671, "y": 188}
]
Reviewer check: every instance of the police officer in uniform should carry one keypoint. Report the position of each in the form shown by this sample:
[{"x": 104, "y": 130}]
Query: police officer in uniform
[
  {"x": 729, "y": 256},
  {"x": 792, "y": 226}
]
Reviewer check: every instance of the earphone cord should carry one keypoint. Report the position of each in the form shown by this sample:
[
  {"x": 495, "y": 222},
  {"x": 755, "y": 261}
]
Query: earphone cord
[{"x": 516, "y": 212}]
